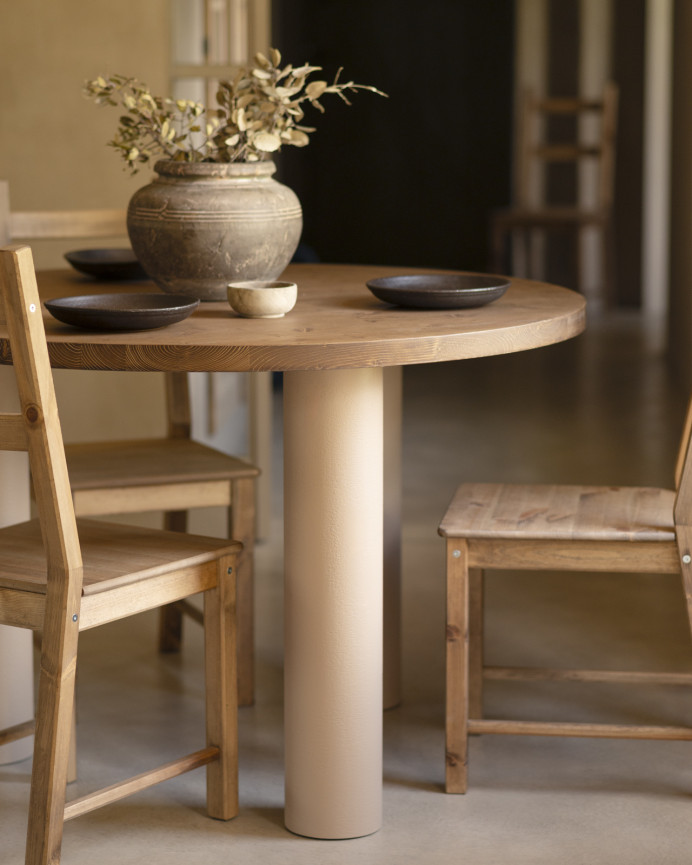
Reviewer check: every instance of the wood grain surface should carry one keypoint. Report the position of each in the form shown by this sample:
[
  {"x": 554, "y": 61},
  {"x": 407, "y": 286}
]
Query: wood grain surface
[
  {"x": 560, "y": 512},
  {"x": 336, "y": 324}
]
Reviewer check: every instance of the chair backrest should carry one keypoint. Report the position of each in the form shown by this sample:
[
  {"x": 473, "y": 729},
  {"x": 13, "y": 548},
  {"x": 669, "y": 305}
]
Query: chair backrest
[
  {"x": 61, "y": 224},
  {"x": 36, "y": 428},
  {"x": 589, "y": 143},
  {"x": 56, "y": 224},
  {"x": 683, "y": 473}
]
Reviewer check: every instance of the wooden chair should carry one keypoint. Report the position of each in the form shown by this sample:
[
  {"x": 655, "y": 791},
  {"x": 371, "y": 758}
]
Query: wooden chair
[
  {"x": 591, "y": 151},
  {"x": 559, "y": 528},
  {"x": 171, "y": 474},
  {"x": 62, "y": 576}
]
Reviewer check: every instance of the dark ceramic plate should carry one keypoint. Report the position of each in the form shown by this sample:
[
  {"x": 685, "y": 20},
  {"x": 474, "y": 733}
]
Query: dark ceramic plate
[
  {"x": 439, "y": 291},
  {"x": 107, "y": 263},
  {"x": 121, "y": 311}
]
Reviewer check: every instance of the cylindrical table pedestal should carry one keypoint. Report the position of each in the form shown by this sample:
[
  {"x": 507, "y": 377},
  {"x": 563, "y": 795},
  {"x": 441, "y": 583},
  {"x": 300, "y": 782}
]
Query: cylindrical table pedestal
[
  {"x": 393, "y": 398},
  {"x": 333, "y": 516}
]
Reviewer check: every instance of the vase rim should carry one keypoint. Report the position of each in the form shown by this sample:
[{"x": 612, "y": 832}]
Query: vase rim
[{"x": 173, "y": 168}]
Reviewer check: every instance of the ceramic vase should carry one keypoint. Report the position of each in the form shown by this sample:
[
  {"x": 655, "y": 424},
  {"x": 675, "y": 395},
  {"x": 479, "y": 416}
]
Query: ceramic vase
[{"x": 198, "y": 226}]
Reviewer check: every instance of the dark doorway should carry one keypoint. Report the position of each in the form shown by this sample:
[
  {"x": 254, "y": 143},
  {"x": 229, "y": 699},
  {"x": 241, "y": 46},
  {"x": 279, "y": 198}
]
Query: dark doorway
[{"x": 411, "y": 179}]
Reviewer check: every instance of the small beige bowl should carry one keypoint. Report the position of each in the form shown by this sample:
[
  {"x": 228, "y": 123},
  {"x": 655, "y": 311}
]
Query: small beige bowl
[{"x": 262, "y": 299}]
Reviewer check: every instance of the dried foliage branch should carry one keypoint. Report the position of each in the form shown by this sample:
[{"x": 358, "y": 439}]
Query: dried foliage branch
[{"x": 260, "y": 111}]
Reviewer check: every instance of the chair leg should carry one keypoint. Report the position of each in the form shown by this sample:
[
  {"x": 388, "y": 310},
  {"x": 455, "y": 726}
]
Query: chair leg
[
  {"x": 241, "y": 527},
  {"x": 609, "y": 269},
  {"x": 476, "y": 662},
  {"x": 53, "y": 724},
  {"x": 72, "y": 758},
  {"x": 457, "y": 689},
  {"x": 582, "y": 273},
  {"x": 222, "y": 691},
  {"x": 170, "y": 617},
  {"x": 536, "y": 253},
  {"x": 497, "y": 248},
  {"x": 684, "y": 542},
  {"x": 519, "y": 253}
]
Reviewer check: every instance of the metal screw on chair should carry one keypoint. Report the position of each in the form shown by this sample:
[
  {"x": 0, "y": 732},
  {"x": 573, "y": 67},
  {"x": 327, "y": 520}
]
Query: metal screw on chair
[
  {"x": 456, "y": 553},
  {"x": 686, "y": 559},
  {"x": 75, "y": 617}
]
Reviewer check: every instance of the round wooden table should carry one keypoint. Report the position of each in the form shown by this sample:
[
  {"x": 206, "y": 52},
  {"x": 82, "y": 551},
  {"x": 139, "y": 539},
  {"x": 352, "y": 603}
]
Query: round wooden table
[{"x": 333, "y": 348}]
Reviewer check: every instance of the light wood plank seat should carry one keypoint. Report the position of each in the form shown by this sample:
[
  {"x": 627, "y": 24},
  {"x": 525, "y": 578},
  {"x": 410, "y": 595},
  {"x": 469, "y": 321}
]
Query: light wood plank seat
[
  {"x": 172, "y": 474},
  {"x": 550, "y": 512},
  {"x": 63, "y": 576},
  {"x": 545, "y": 527},
  {"x": 148, "y": 553},
  {"x": 148, "y": 461}
]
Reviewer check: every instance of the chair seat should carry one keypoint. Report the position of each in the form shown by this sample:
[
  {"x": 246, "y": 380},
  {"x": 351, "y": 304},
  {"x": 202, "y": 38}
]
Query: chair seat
[
  {"x": 560, "y": 512},
  {"x": 151, "y": 461},
  {"x": 112, "y": 554}
]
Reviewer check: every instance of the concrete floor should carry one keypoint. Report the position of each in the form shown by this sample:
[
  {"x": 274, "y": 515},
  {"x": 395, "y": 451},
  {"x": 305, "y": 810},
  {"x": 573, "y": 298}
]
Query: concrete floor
[{"x": 600, "y": 409}]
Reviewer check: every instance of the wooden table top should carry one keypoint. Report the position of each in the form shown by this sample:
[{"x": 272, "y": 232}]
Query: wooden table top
[{"x": 336, "y": 324}]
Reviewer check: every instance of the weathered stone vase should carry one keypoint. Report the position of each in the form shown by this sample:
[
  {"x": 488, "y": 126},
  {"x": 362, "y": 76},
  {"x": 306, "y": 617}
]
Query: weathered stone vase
[{"x": 199, "y": 226}]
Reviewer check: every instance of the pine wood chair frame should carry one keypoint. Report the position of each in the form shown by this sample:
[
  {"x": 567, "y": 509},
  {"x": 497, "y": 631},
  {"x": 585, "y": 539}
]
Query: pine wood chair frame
[
  {"x": 559, "y": 528},
  {"x": 172, "y": 474},
  {"x": 63, "y": 576},
  {"x": 519, "y": 222}
]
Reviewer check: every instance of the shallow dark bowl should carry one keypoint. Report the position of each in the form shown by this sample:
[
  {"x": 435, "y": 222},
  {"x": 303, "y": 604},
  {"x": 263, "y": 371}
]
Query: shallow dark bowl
[
  {"x": 121, "y": 311},
  {"x": 114, "y": 263},
  {"x": 439, "y": 291}
]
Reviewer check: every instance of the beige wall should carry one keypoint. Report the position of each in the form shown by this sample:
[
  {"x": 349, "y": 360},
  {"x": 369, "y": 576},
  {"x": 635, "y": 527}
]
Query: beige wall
[
  {"x": 53, "y": 153},
  {"x": 53, "y": 140}
]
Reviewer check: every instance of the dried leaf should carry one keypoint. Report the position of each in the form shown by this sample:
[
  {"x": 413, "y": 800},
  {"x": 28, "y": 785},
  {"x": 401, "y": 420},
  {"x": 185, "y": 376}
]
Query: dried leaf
[
  {"x": 295, "y": 137},
  {"x": 267, "y": 142},
  {"x": 286, "y": 92},
  {"x": 315, "y": 89},
  {"x": 306, "y": 70}
]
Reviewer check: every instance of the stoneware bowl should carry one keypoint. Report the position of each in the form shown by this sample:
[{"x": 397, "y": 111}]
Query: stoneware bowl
[{"x": 262, "y": 299}]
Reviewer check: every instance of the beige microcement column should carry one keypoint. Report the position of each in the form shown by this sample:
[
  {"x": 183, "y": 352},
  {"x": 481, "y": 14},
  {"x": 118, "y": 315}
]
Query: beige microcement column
[
  {"x": 16, "y": 650},
  {"x": 333, "y": 507}
]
